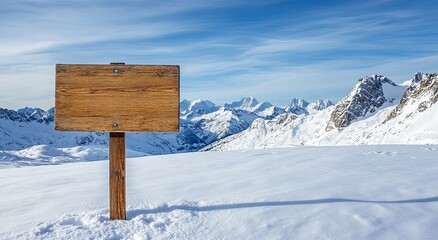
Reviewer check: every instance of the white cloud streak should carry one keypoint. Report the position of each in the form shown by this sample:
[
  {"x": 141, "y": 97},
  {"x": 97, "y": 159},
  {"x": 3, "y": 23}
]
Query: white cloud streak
[{"x": 317, "y": 56}]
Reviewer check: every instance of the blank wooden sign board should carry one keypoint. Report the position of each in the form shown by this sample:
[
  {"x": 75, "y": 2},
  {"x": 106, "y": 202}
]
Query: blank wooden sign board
[{"x": 117, "y": 98}]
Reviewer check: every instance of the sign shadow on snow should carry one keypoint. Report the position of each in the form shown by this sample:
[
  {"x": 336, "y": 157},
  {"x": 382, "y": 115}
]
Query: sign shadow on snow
[{"x": 192, "y": 207}]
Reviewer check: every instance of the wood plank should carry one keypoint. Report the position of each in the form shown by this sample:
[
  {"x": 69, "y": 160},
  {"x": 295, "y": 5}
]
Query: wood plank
[
  {"x": 117, "y": 176},
  {"x": 90, "y": 97},
  {"x": 124, "y": 124},
  {"x": 117, "y": 106}
]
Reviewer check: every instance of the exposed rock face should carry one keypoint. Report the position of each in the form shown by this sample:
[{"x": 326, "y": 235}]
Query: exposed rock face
[
  {"x": 366, "y": 97},
  {"x": 359, "y": 117},
  {"x": 423, "y": 92}
]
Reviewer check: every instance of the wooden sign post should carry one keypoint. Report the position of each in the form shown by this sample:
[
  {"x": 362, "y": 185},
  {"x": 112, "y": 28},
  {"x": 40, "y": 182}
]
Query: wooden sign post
[
  {"x": 117, "y": 176},
  {"x": 117, "y": 98}
]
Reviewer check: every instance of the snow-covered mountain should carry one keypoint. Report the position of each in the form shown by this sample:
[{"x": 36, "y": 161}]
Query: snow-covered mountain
[
  {"x": 377, "y": 111},
  {"x": 249, "y": 104},
  {"x": 369, "y": 94},
  {"x": 221, "y": 123},
  {"x": 421, "y": 94},
  {"x": 28, "y": 115},
  {"x": 199, "y": 127},
  {"x": 30, "y": 130},
  {"x": 297, "y": 106},
  {"x": 197, "y": 106},
  {"x": 318, "y": 105}
]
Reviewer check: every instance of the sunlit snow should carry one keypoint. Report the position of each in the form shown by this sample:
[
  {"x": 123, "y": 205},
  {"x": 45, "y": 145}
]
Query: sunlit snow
[{"x": 356, "y": 192}]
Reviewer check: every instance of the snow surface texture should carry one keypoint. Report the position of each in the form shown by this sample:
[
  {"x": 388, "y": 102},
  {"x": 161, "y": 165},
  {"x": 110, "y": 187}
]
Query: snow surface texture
[
  {"x": 49, "y": 155},
  {"x": 356, "y": 192},
  {"x": 377, "y": 111}
]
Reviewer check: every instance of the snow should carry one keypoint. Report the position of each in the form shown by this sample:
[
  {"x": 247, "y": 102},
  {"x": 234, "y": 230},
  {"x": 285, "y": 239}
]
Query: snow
[
  {"x": 49, "y": 155},
  {"x": 247, "y": 103},
  {"x": 318, "y": 105},
  {"x": 197, "y": 105},
  {"x": 202, "y": 122},
  {"x": 298, "y": 103},
  {"x": 222, "y": 122},
  {"x": 297, "y": 106},
  {"x": 356, "y": 192},
  {"x": 410, "y": 126}
]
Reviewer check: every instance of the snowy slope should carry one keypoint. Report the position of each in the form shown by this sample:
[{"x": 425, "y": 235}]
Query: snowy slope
[
  {"x": 221, "y": 123},
  {"x": 362, "y": 192},
  {"x": 49, "y": 155},
  {"x": 202, "y": 122},
  {"x": 197, "y": 106},
  {"x": 318, "y": 106},
  {"x": 30, "y": 127},
  {"x": 377, "y": 111}
]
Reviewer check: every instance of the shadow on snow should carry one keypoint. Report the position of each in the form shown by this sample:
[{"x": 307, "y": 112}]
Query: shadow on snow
[{"x": 166, "y": 208}]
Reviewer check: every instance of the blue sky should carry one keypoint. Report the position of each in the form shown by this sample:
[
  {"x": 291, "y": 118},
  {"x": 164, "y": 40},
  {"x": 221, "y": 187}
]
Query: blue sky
[{"x": 272, "y": 50}]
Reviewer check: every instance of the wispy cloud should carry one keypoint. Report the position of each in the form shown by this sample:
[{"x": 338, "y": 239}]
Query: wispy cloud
[{"x": 275, "y": 50}]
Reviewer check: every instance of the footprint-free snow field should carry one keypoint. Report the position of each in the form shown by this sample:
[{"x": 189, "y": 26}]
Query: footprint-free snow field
[{"x": 360, "y": 192}]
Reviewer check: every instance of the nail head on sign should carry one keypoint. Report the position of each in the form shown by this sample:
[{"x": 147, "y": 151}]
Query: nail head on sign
[{"x": 115, "y": 125}]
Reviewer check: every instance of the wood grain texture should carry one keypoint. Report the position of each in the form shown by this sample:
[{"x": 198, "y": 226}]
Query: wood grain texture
[
  {"x": 117, "y": 176},
  {"x": 138, "y": 98}
]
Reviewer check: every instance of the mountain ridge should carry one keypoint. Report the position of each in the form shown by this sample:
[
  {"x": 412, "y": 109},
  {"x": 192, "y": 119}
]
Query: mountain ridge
[
  {"x": 202, "y": 122},
  {"x": 374, "y": 101},
  {"x": 377, "y": 111}
]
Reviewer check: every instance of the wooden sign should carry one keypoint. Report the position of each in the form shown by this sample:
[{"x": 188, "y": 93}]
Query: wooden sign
[{"x": 117, "y": 98}]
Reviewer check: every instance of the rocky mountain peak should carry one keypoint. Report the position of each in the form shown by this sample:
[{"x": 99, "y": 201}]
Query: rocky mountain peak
[
  {"x": 33, "y": 113},
  {"x": 197, "y": 106},
  {"x": 251, "y": 104},
  {"x": 184, "y": 105},
  {"x": 247, "y": 103},
  {"x": 422, "y": 92},
  {"x": 319, "y": 105},
  {"x": 28, "y": 114},
  {"x": 297, "y": 106},
  {"x": 298, "y": 102},
  {"x": 366, "y": 97}
]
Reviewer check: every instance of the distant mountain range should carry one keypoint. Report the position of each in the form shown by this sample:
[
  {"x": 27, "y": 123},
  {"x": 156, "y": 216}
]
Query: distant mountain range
[
  {"x": 202, "y": 122},
  {"x": 377, "y": 111}
]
